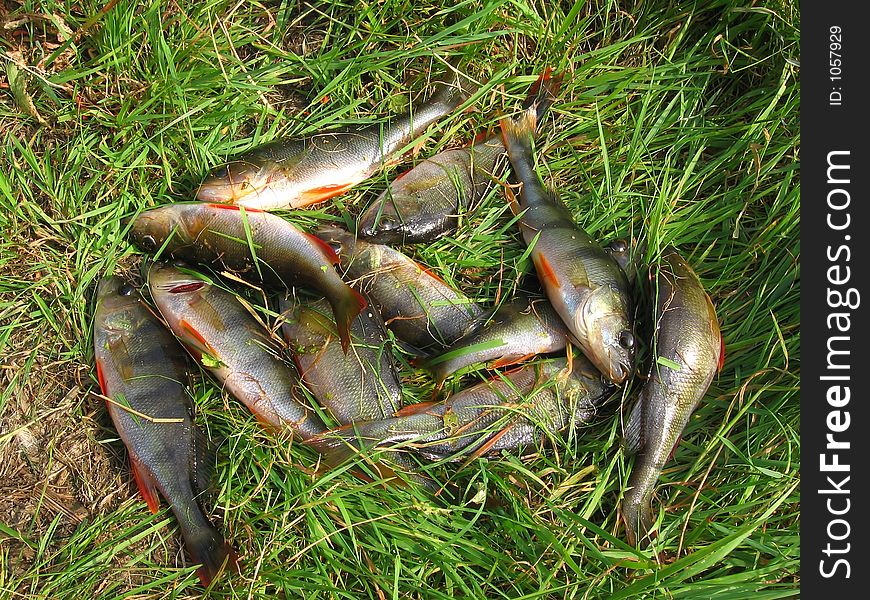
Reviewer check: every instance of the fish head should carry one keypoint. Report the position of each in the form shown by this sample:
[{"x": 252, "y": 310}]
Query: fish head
[
  {"x": 117, "y": 302},
  {"x": 235, "y": 182},
  {"x": 383, "y": 220},
  {"x": 150, "y": 229},
  {"x": 341, "y": 241},
  {"x": 610, "y": 338}
]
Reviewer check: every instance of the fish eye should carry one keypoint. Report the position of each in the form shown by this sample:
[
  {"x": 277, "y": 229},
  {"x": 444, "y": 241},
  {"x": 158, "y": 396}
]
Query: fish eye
[
  {"x": 149, "y": 243},
  {"x": 626, "y": 339},
  {"x": 222, "y": 173},
  {"x": 619, "y": 246},
  {"x": 387, "y": 222},
  {"x": 125, "y": 290}
]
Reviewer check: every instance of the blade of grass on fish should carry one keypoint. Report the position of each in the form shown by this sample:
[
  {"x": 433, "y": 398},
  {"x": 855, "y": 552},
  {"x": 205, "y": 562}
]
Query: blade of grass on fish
[
  {"x": 459, "y": 352},
  {"x": 249, "y": 239},
  {"x": 121, "y": 402}
]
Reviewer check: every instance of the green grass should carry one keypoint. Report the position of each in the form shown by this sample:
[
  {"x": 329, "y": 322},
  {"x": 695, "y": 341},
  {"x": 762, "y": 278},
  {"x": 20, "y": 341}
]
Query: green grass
[{"x": 677, "y": 123}]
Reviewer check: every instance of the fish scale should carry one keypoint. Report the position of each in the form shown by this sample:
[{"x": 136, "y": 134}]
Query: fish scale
[
  {"x": 361, "y": 385},
  {"x": 422, "y": 310},
  {"x": 355, "y": 387},
  {"x": 514, "y": 332},
  {"x": 426, "y": 202},
  {"x": 259, "y": 246}
]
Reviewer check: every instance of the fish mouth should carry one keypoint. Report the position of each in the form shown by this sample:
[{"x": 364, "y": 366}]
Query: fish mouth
[
  {"x": 367, "y": 230},
  {"x": 216, "y": 191},
  {"x": 385, "y": 227},
  {"x": 619, "y": 372}
]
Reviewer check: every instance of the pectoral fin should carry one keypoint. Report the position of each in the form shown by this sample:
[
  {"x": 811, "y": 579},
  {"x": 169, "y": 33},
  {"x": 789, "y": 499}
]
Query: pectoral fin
[{"x": 145, "y": 483}]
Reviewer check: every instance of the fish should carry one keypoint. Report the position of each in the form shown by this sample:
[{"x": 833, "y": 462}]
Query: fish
[
  {"x": 418, "y": 306},
  {"x": 425, "y": 203},
  {"x": 584, "y": 283},
  {"x": 298, "y": 172},
  {"x": 233, "y": 346},
  {"x": 256, "y": 245},
  {"x": 142, "y": 370},
  {"x": 514, "y": 410},
  {"x": 687, "y": 352},
  {"x": 514, "y": 332},
  {"x": 359, "y": 386}
]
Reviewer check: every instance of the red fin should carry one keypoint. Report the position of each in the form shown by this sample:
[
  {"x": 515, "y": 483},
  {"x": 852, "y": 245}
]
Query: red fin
[
  {"x": 326, "y": 248},
  {"x": 518, "y": 131},
  {"x": 512, "y": 200},
  {"x": 721, "y": 353},
  {"x": 198, "y": 337},
  {"x": 415, "y": 409},
  {"x": 551, "y": 83},
  {"x": 228, "y": 560},
  {"x": 146, "y": 486},
  {"x": 346, "y": 312},
  {"x": 545, "y": 269},
  {"x": 486, "y": 447},
  {"x": 208, "y": 548},
  {"x": 511, "y": 359},
  {"x": 101, "y": 379},
  {"x": 477, "y": 139},
  {"x": 674, "y": 449},
  {"x": 187, "y": 287},
  {"x": 430, "y": 273},
  {"x": 235, "y": 207},
  {"x": 322, "y": 193},
  {"x": 543, "y": 93}
]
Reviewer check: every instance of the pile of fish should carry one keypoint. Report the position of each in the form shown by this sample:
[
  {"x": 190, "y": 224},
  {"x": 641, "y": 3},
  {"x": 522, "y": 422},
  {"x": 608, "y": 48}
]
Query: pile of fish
[{"x": 365, "y": 296}]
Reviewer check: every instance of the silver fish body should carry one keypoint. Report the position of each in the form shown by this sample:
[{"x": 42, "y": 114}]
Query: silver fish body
[
  {"x": 516, "y": 331},
  {"x": 256, "y": 245},
  {"x": 426, "y": 202},
  {"x": 688, "y": 350},
  {"x": 358, "y": 386},
  {"x": 583, "y": 282},
  {"x": 515, "y": 410}
]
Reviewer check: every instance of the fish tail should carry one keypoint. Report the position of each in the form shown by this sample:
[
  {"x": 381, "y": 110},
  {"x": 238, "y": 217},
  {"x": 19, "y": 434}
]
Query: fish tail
[
  {"x": 336, "y": 445},
  {"x": 636, "y": 510},
  {"x": 208, "y": 548},
  {"x": 543, "y": 93},
  {"x": 344, "y": 442},
  {"x": 517, "y": 135},
  {"x": 346, "y": 310},
  {"x": 394, "y": 468}
]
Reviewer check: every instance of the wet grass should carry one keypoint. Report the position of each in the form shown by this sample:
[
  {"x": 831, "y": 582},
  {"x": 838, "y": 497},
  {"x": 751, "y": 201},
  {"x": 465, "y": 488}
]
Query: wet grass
[{"x": 677, "y": 124}]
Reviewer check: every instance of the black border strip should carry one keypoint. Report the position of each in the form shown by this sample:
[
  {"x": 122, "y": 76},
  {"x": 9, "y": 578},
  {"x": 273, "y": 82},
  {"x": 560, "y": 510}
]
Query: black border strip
[{"x": 835, "y": 235}]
